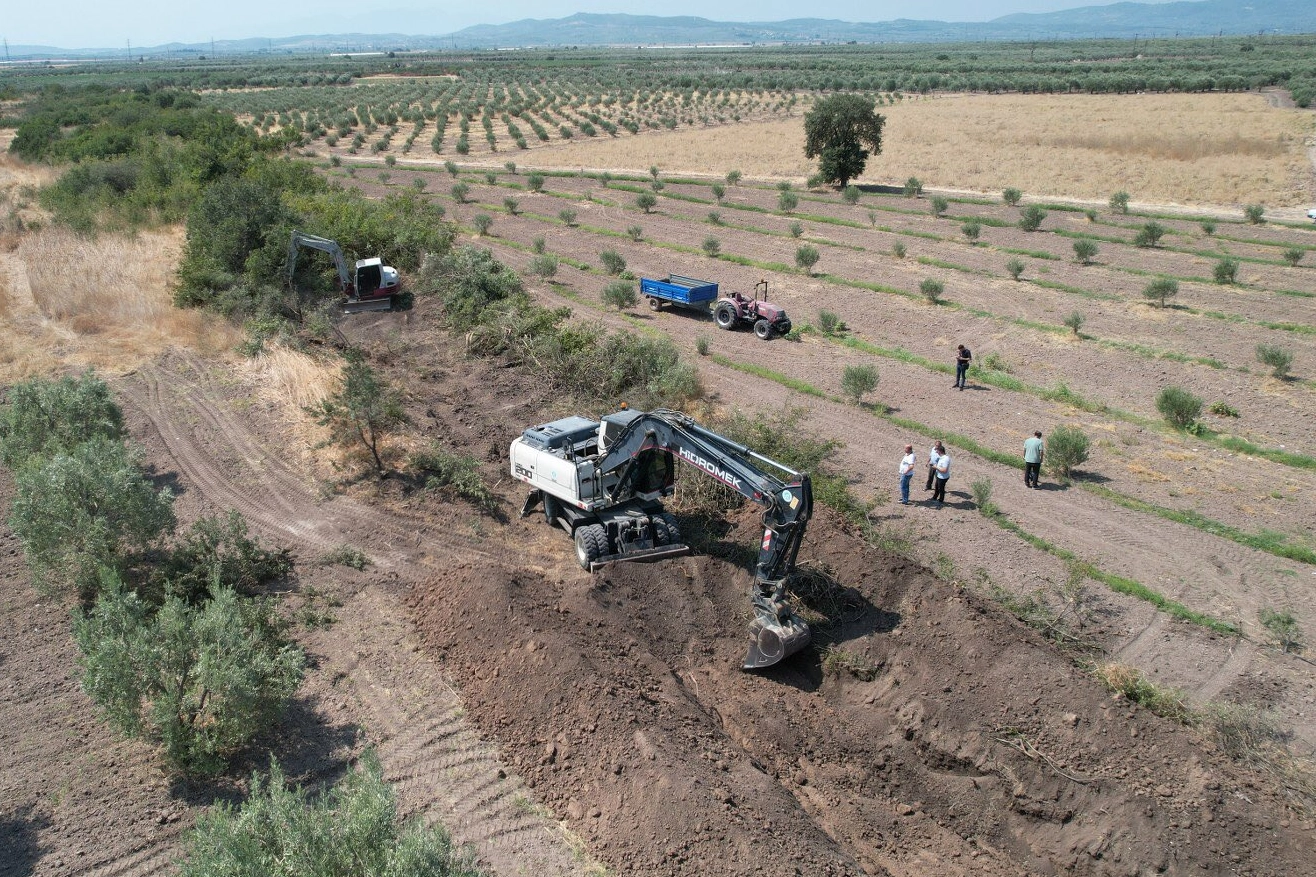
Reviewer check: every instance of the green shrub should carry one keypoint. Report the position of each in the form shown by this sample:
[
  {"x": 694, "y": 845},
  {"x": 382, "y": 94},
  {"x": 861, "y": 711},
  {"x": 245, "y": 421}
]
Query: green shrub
[
  {"x": 971, "y": 228},
  {"x": 850, "y": 194},
  {"x": 939, "y": 205},
  {"x": 1119, "y": 202},
  {"x": 783, "y": 185},
  {"x": 635, "y": 232},
  {"x": 345, "y": 555},
  {"x": 981, "y": 488},
  {"x": 1012, "y": 197},
  {"x": 568, "y": 217},
  {"x": 1179, "y": 407},
  {"x": 711, "y": 247},
  {"x": 511, "y": 205},
  {"x": 1293, "y": 255},
  {"x": 482, "y": 222},
  {"x": 1031, "y": 218},
  {"x": 1090, "y": 214},
  {"x": 653, "y": 171},
  {"x": 1014, "y": 268},
  {"x": 1208, "y": 226},
  {"x": 1075, "y": 322},
  {"x": 1255, "y": 213},
  {"x": 510, "y": 166},
  {"x": 613, "y": 262},
  {"x": 1278, "y": 359},
  {"x": 787, "y": 201},
  {"x": 701, "y": 345},
  {"x": 714, "y": 218},
  {"x": 544, "y": 266},
  {"x": 202, "y": 679},
  {"x": 1085, "y": 250},
  {"x": 217, "y": 551},
  {"x": 1149, "y": 235},
  {"x": 538, "y": 245},
  {"x": 931, "y": 289},
  {"x": 898, "y": 249},
  {"x": 418, "y": 183},
  {"x": 467, "y": 281},
  {"x": 84, "y": 509},
  {"x": 460, "y": 191},
  {"x": 646, "y": 201},
  {"x": 1223, "y": 409},
  {"x": 1225, "y": 271},
  {"x": 620, "y": 295},
  {"x": 1283, "y": 626},
  {"x": 733, "y": 178},
  {"x": 657, "y": 185},
  {"x": 460, "y": 473},
  {"x": 491, "y": 178},
  {"x": 1128, "y": 681},
  {"x": 1161, "y": 290},
  {"x": 450, "y": 167},
  {"x": 351, "y": 830},
  {"x": 47, "y": 417},
  {"x": 535, "y": 182},
  {"x": 913, "y": 187},
  {"x": 796, "y": 229},
  {"x": 806, "y": 257},
  {"x": 856, "y": 380},
  {"x": 364, "y": 410},
  {"x": 719, "y": 192},
  {"x": 830, "y": 324},
  {"x": 1066, "y": 450}
]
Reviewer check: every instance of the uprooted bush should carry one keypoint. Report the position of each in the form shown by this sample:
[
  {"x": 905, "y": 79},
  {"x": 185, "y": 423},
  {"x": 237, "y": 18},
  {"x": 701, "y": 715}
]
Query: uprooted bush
[
  {"x": 219, "y": 550},
  {"x": 467, "y": 281},
  {"x": 351, "y": 830},
  {"x": 446, "y": 469},
  {"x": 200, "y": 679}
]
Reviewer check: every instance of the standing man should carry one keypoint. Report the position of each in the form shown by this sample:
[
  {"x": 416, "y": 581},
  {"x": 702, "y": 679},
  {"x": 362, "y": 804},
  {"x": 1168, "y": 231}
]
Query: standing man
[
  {"x": 963, "y": 356},
  {"x": 906, "y": 473},
  {"x": 933, "y": 453},
  {"x": 1032, "y": 459},
  {"x": 943, "y": 475}
]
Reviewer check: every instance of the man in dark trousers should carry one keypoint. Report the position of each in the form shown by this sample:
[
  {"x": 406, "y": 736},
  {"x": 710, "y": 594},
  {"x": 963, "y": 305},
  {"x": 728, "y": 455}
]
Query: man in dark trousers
[
  {"x": 932, "y": 462},
  {"x": 963, "y": 356},
  {"x": 1032, "y": 459}
]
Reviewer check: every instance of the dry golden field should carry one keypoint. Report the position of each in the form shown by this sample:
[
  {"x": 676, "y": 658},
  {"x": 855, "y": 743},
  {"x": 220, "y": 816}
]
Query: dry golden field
[{"x": 1218, "y": 149}]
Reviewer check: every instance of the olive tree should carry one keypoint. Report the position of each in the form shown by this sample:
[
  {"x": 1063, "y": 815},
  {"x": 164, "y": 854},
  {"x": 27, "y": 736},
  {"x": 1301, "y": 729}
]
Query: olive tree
[
  {"x": 841, "y": 131},
  {"x": 364, "y": 410}
]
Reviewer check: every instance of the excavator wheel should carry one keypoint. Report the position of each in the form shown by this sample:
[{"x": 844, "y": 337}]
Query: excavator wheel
[
  {"x": 725, "y": 316},
  {"x": 763, "y": 329},
  {"x": 673, "y": 529},
  {"x": 591, "y": 544},
  {"x": 550, "y": 510}
]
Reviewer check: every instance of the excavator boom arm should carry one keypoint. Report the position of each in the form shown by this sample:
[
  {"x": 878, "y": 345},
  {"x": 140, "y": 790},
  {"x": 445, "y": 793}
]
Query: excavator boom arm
[{"x": 301, "y": 239}]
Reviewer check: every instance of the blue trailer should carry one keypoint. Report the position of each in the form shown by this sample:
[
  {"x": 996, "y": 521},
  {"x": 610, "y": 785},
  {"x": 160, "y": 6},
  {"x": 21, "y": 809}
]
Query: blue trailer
[{"x": 679, "y": 292}]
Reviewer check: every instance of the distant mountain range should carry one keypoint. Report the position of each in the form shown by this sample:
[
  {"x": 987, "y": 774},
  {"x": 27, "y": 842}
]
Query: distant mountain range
[{"x": 1120, "y": 20}]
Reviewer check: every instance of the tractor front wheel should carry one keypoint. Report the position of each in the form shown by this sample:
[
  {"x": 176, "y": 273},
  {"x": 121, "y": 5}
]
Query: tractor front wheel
[{"x": 763, "y": 329}]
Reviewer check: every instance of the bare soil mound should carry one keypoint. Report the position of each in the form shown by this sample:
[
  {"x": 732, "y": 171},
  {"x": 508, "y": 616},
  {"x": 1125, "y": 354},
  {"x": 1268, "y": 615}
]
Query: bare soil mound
[{"x": 961, "y": 743}]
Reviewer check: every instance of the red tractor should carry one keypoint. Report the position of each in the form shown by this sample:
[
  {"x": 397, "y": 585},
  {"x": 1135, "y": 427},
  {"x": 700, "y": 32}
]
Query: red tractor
[{"x": 738, "y": 310}]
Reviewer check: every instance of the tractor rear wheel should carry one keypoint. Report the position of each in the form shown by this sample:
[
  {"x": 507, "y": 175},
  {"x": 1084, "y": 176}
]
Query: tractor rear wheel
[
  {"x": 591, "y": 544},
  {"x": 725, "y": 316},
  {"x": 763, "y": 329}
]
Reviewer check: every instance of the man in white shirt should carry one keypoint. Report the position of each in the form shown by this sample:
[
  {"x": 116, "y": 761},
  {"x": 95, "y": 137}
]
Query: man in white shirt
[
  {"x": 943, "y": 475},
  {"x": 907, "y": 464},
  {"x": 932, "y": 463}
]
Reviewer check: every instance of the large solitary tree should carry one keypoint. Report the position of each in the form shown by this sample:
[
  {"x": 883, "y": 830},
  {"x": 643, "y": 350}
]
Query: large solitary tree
[{"x": 841, "y": 131}]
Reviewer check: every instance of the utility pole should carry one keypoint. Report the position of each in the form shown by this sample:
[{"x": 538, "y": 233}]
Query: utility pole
[{"x": 6, "y": 50}]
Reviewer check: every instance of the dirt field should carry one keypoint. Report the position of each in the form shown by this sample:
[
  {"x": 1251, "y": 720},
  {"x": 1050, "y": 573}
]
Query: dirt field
[
  {"x": 1230, "y": 149},
  {"x": 563, "y": 723}
]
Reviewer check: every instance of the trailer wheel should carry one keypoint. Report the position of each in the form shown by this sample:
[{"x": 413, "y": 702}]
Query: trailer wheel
[
  {"x": 591, "y": 544},
  {"x": 655, "y": 304},
  {"x": 725, "y": 316},
  {"x": 763, "y": 329}
]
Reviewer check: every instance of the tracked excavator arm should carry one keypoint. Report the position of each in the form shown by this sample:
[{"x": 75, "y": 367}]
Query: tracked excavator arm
[
  {"x": 776, "y": 631},
  {"x": 301, "y": 239}
]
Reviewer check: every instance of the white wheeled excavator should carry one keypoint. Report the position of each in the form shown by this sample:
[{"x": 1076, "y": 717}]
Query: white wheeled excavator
[
  {"x": 369, "y": 287},
  {"x": 603, "y": 481}
]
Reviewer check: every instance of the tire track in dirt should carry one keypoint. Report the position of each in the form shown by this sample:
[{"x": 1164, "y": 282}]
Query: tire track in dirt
[{"x": 442, "y": 769}]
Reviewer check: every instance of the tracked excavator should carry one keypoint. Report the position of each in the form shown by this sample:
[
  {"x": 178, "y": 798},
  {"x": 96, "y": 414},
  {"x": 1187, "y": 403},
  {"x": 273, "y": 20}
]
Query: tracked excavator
[
  {"x": 369, "y": 287},
  {"x": 603, "y": 482}
]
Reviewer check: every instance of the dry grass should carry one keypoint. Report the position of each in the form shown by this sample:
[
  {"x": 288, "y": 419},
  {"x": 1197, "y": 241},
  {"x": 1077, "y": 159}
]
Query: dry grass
[
  {"x": 1224, "y": 149},
  {"x": 70, "y": 301},
  {"x": 292, "y": 381}
]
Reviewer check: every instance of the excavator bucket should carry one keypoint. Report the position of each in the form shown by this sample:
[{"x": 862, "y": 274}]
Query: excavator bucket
[
  {"x": 365, "y": 305},
  {"x": 774, "y": 638}
]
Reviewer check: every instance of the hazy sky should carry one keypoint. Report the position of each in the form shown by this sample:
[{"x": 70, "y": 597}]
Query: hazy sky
[{"x": 73, "y": 24}]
